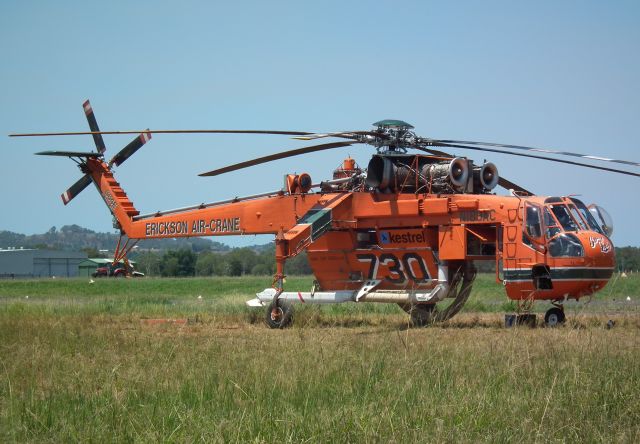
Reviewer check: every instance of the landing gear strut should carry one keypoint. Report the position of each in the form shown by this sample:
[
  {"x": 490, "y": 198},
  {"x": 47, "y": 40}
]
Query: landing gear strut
[
  {"x": 554, "y": 316},
  {"x": 279, "y": 313}
]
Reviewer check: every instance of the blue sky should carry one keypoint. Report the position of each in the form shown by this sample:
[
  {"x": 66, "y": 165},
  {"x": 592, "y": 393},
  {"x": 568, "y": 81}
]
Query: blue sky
[{"x": 553, "y": 74}]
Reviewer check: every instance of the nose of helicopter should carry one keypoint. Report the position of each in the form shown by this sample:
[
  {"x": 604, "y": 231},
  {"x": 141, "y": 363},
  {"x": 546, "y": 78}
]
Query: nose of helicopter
[
  {"x": 598, "y": 250},
  {"x": 596, "y": 269},
  {"x": 599, "y": 261}
]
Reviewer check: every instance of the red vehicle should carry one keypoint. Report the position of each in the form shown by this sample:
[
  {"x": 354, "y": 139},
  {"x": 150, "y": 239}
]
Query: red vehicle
[{"x": 119, "y": 269}]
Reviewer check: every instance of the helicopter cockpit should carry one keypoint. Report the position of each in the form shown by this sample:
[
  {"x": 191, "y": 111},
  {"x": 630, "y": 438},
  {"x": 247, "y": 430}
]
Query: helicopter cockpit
[{"x": 559, "y": 222}]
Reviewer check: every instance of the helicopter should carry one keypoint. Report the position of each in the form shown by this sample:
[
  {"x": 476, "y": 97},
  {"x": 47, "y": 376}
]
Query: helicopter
[{"x": 405, "y": 230}]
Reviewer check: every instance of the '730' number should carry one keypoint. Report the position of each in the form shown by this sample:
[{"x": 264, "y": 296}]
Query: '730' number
[{"x": 411, "y": 266}]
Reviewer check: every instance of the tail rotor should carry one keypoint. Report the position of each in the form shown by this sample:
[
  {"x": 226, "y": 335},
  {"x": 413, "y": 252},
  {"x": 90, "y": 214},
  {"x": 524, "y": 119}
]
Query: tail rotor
[{"x": 82, "y": 157}]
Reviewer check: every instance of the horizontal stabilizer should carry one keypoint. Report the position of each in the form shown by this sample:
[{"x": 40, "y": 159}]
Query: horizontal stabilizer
[
  {"x": 75, "y": 189},
  {"x": 68, "y": 154}
]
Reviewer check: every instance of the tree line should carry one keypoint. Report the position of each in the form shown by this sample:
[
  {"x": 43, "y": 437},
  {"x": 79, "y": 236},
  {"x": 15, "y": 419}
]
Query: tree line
[
  {"x": 248, "y": 261},
  {"x": 237, "y": 262}
]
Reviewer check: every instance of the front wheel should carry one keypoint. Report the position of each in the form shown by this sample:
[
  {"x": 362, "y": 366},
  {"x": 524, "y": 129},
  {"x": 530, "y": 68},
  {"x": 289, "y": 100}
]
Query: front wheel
[
  {"x": 554, "y": 317},
  {"x": 279, "y": 315}
]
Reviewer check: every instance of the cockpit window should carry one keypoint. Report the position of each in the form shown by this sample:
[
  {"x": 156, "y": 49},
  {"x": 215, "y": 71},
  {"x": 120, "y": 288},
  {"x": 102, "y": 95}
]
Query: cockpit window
[
  {"x": 561, "y": 213},
  {"x": 566, "y": 245},
  {"x": 577, "y": 218},
  {"x": 551, "y": 224},
  {"x": 593, "y": 224},
  {"x": 534, "y": 222}
]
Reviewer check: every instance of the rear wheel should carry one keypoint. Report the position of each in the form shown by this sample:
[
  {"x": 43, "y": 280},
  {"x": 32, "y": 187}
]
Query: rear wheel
[
  {"x": 421, "y": 314},
  {"x": 461, "y": 276},
  {"x": 279, "y": 315}
]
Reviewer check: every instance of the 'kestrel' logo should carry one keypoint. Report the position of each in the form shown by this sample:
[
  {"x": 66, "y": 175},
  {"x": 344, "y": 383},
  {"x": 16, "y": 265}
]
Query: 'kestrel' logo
[{"x": 387, "y": 237}]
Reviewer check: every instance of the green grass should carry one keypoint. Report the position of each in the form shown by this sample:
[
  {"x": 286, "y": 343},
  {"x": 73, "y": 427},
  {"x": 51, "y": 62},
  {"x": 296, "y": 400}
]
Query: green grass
[
  {"x": 179, "y": 297},
  {"x": 79, "y": 363}
]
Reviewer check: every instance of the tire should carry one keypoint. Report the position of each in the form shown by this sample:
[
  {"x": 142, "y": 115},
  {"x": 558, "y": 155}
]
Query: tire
[
  {"x": 528, "y": 319},
  {"x": 280, "y": 315},
  {"x": 554, "y": 317},
  {"x": 422, "y": 314}
]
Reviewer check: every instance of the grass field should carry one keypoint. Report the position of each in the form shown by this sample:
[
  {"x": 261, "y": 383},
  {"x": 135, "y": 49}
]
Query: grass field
[{"x": 82, "y": 362}]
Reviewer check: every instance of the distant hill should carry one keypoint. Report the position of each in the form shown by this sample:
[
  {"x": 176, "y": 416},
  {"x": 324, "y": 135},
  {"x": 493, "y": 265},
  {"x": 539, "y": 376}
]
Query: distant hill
[{"x": 76, "y": 238}]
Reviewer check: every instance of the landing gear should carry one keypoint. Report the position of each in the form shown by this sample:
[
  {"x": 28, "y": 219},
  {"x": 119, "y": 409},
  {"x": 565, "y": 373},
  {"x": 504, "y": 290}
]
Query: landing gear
[
  {"x": 279, "y": 314},
  {"x": 554, "y": 316},
  {"x": 528, "y": 319},
  {"x": 421, "y": 314},
  {"x": 462, "y": 275},
  {"x": 461, "y": 279}
]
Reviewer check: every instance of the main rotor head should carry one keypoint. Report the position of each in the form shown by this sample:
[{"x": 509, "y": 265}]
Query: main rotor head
[{"x": 391, "y": 135}]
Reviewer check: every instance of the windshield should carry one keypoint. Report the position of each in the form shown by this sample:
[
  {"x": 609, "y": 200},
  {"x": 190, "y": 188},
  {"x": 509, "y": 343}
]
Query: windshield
[
  {"x": 584, "y": 211},
  {"x": 603, "y": 218},
  {"x": 576, "y": 216},
  {"x": 563, "y": 216},
  {"x": 551, "y": 224},
  {"x": 566, "y": 245}
]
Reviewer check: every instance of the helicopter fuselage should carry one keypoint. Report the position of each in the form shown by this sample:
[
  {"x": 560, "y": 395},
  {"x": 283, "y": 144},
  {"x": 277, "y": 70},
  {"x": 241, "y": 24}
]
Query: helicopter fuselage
[{"x": 403, "y": 241}]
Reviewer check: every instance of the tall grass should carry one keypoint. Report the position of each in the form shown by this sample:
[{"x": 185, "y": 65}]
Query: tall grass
[{"x": 81, "y": 365}]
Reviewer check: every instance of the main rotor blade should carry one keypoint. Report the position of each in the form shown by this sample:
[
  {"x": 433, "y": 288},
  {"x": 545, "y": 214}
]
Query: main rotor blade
[
  {"x": 93, "y": 126},
  {"x": 75, "y": 189},
  {"x": 508, "y": 185},
  {"x": 551, "y": 159},
  {"x": 282, "y": 155},
  {"x": 542, "y": 150},
  {"x": 130, "y": 149},
  {"x": 178, "y": 131},
  {"x": 342, "y": 134},
  {"x": 433, "y": 152}
]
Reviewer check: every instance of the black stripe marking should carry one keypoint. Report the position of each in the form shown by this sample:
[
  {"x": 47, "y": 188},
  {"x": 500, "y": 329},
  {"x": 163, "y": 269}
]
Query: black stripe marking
[{"x": 561, "y": 274}]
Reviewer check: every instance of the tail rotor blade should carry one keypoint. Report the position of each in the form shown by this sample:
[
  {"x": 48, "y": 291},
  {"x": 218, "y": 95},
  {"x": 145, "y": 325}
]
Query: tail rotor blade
[
  {"x": 130, "y": 149},
  {"x": 70, "y": 154},
  {"x": 93, "y": 125},
  {"x": 76, "y": 188}
]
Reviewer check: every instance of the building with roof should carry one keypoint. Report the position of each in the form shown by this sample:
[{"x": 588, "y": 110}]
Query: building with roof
[{"x": 28, "y": 263}]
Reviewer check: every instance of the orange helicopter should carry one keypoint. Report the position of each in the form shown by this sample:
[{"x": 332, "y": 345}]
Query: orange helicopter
[{"x": 405, "y": 230}]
